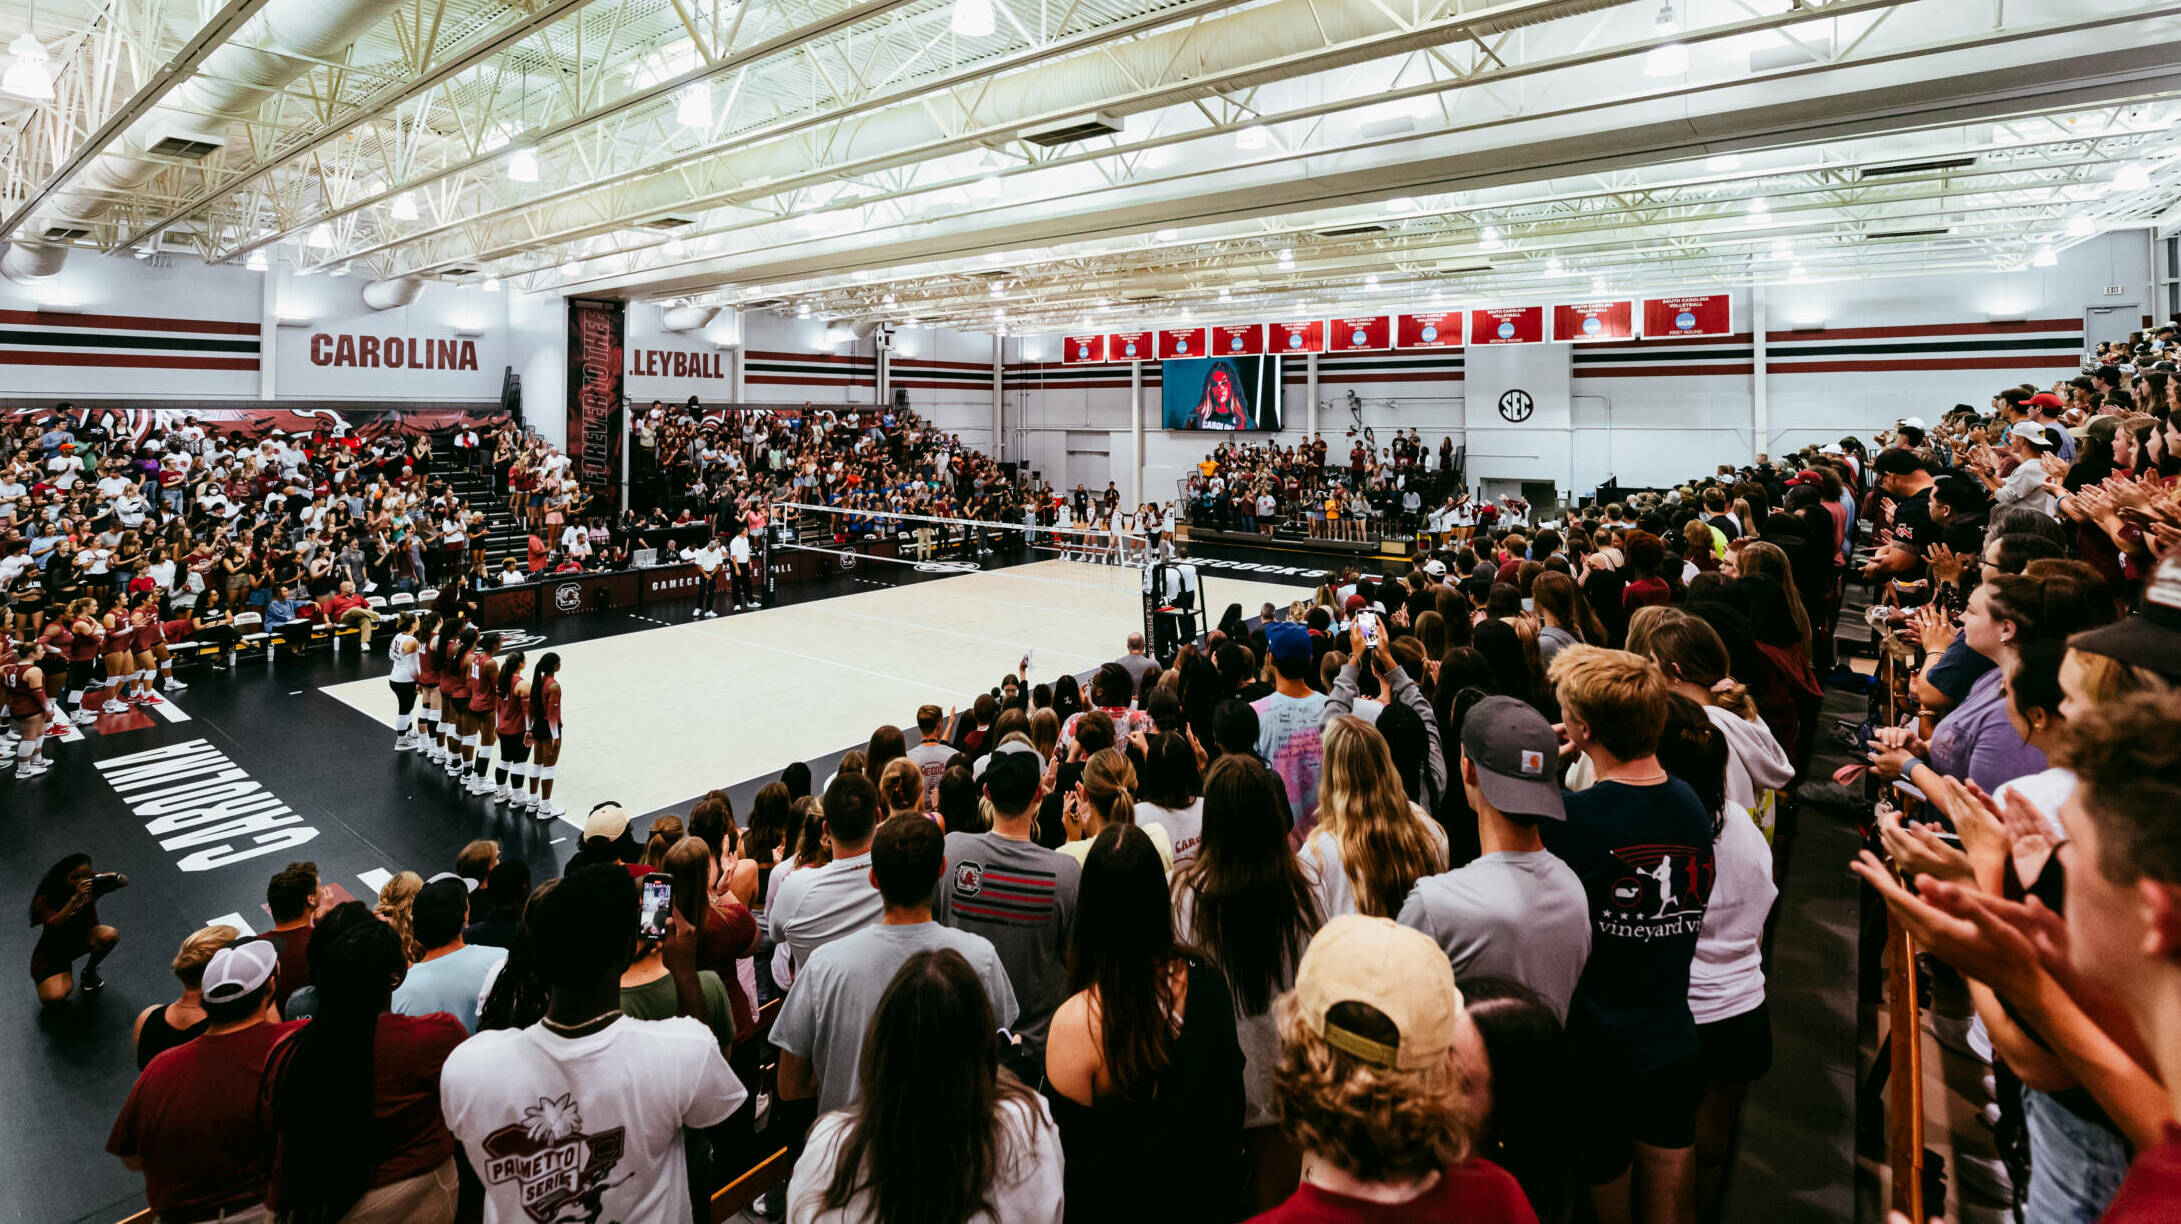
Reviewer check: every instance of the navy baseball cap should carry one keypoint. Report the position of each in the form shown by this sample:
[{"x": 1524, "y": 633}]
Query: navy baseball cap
[{"x": 1288, "y": 640}]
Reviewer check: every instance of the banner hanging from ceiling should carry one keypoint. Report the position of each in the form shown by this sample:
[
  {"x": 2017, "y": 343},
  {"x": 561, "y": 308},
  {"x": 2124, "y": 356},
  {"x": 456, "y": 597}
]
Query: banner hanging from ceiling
[
  {"x": 1307, "y": 336},
  {"x": 595, "y": 335},
  {"x": 1507, "y": 325},
  {"x": 1577, "y": 322},
  {"x": 1443, "y": 330},
  {"x": 1082, "y": 350},
  {"x": 1666, "y": 318},
  {"x": 1181, "y": 342},
  {"x": 1359, "y": 335},
  {"x": 1243, "y": 341},
  {"x": 1131, "y": 346}
]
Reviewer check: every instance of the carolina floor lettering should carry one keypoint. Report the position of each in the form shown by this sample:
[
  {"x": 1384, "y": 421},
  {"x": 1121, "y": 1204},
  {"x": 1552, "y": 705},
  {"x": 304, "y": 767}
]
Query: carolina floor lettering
[{"x": 196, "y": 797}]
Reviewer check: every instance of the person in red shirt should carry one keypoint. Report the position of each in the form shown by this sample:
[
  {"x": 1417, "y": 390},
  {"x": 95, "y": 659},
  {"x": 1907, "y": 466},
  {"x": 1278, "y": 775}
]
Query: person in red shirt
[
  {"x": 352, "y": 1097},
  {"x": 1371, "y": 1086},
  {"x": 345, "y": 607},
  {"x": 192, "y": 1124}
]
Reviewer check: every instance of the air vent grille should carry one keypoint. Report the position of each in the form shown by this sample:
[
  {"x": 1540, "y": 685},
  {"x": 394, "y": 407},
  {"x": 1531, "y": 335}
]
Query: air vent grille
[
  {"x": 184, "y": 148},
  {"x": 1352, "y": 231}
]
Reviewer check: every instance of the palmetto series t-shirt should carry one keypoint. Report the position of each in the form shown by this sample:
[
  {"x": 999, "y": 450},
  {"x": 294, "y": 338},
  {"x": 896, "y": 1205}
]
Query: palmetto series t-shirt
[{"x": 586, "y": 1128}]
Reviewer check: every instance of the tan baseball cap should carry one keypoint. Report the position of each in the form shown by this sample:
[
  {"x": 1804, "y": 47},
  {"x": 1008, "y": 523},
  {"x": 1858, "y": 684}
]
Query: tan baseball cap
[{"x": 1397, "y": 970}]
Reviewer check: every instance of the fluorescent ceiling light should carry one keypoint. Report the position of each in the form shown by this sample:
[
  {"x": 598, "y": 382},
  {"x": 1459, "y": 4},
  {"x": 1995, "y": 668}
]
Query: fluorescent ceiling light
[
  {"x": 971, "y": 18},
  {"x": 694, "y": 108},
  {"x": 29, "y": 75}
]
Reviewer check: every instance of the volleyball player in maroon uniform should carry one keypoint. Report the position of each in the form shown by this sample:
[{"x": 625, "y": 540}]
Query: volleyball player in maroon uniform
[
  {"x": 511, "y": 722},
  {"x": 22, "y": 686},
  {"x": 545, "y": 735},
  {"x": 431, "y": 733},
  {"x": 59, "y": 642},
  {"x": 484, "y": 679},
  {"x": 454, "y": 693},
  {"x": 118, "y": 658},
  {"x": 83, "y": 653}
]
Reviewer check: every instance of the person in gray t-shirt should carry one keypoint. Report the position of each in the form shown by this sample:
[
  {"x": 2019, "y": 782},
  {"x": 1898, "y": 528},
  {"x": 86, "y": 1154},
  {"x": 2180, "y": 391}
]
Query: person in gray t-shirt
[
  {"x": 1518, "y": 911},
  {"x": 1136, "y": 663},
  {"x": 821, "y": 1027},
  {"x": 1005, "y": 887}
]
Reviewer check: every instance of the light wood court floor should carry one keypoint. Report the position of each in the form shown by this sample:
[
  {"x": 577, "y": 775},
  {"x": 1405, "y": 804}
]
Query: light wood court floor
[{"x": 657, "y": 717}]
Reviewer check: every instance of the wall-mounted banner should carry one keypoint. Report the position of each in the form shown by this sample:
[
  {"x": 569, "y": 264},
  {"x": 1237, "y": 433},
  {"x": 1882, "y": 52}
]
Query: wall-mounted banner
[
  {"x": 676, "y": 363},
  {"x": 595, "y": 330},
  {"x": 1507, "y": 325},
  {"x": 1579, "y": 321},
  {"x": 1665, "y": 318},
  {"x": 1182, "y": 342},
  {"x": 1131, "y": 346},
  {"x": 393, "y": 352},
  {"x": 1359, "y": 335},
  {"x": 1429, "y": 330},
  {"x": 1308, "y": 337},
  {"x": 1243, "y": 341},
  {"x": 1082, "y": 350}
]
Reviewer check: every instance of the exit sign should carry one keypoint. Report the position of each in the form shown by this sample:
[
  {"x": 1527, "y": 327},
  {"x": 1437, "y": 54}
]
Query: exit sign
[{"x": 2114, "y": 290}]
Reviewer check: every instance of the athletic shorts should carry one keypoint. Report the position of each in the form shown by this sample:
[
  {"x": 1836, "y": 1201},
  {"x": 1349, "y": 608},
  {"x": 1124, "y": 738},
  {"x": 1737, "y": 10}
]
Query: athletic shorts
[
  {"x": 79, "y": 674},
  {"x": 1655, "y": 1107},
  {"x": 1738, "y": 1049},
  {"x": 512, "y": 748}
]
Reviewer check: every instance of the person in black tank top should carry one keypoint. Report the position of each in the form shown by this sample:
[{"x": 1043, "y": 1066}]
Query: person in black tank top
[{"x": 157, "y": 1029}]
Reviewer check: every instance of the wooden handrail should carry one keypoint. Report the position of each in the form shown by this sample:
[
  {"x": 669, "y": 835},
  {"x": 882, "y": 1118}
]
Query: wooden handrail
[
  {"x": 1905, "y": 1087},
  {"x": 742, "y": 1193}
]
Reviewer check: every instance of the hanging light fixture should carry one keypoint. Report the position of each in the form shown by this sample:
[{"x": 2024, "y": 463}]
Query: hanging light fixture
[
  {"x": 1597, "y": 284},
  {"x": 971, "y": 18},
  {"x": 1722, "y": 163},
  {"x": 1553, "y": 266},
  {"x": 404, "y": 207},
  {"x": 1758, "y": 207},
  {"x": 694, "y": 108},
  {"x": 321, "y": 236},
  {"x": 2045, "y": 257},
  {"x": 1667, "y": 59},
  {"x": 1252, "y": 138},
  {"x": 258, "y": 262},
  {"x": 2135, "y": 176},
  {"x": 571, "y": 268},
  {"x": 522, "y": 165},
  {"x": 2081, "y": 227},
  {"x": 1167, "y": 235},
  {"x": 987, "y": 187},
  {"x": 1488, "y": 239},
  {"x": 492, "y": 284},
  {"x": 29, "y": 75}
]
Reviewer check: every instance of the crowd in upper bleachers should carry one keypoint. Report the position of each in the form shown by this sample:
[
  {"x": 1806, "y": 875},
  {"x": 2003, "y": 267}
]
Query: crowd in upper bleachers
[{"x": 1440, "y": 895}]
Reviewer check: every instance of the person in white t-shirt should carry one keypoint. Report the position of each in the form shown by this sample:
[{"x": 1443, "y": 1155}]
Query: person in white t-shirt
[
  {"x": 707, "y": 560},
  {"x": 581, "y": 1115}
]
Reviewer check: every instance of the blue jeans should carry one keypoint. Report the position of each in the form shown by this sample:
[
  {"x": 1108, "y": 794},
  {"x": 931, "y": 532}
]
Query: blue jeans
[{"x": 2076, "y": 1166}]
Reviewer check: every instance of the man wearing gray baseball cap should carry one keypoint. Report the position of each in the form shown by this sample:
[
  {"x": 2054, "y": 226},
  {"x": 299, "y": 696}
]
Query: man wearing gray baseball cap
[{"x": 1517, "y": 911}]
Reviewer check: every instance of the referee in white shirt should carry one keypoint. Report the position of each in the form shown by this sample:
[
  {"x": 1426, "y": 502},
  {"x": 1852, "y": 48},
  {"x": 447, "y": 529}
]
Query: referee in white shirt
[{"x": 707, "y": 560}]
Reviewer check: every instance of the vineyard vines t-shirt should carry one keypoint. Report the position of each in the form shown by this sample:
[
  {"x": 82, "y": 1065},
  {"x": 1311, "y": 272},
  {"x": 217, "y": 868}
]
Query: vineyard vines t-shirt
[
  {"x": 1644, "y": 854},
  {"x": 586, "y": 1128}
]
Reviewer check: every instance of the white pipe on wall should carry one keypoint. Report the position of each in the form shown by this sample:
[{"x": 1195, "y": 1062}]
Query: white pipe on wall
[
  {"x": 1136, "y": 432},
  {"x": 1759, "y": 412}
]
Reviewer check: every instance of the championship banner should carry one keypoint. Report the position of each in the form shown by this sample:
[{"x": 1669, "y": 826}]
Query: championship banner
[
  {"x": 1665, "y": 318},
  {"x": 1083, "y": 350},
  {"x": 1131, "y": 346},
  {"x": 1429, "y": 331},
  {"x": 1359, "y": 335},
  {"x": 595, "y": 330},
  {"x": 1182, "y": 342},
  {"x": 1576, "y": 322},
  {"x": 1306, "y": 337},
  {"x": 1246, "y": 340},
  {"x": 1507, "y": 325}
]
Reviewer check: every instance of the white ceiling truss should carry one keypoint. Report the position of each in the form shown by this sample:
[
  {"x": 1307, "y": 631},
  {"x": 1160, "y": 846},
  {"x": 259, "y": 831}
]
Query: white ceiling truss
[{"x": 858, "y": 159}]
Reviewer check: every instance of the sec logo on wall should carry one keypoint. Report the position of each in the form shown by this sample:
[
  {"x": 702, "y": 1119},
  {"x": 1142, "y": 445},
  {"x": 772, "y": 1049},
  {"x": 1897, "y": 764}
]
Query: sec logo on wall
[{"x": 1516, "y": 405}]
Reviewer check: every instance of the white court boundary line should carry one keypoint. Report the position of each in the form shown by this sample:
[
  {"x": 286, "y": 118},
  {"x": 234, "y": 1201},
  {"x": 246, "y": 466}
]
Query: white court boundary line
[{"x": 975, "y": 637}]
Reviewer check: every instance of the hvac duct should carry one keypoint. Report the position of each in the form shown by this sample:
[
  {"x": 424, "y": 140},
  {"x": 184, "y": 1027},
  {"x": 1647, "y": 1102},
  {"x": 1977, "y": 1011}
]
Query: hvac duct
[
  {"x": 688, "y": 318},
  {"x": 1284, "y": 36},
  {"x": 275, "y": 47},
  {"x": 387, "y": 294},
  {"x": 25, "y": 264}
]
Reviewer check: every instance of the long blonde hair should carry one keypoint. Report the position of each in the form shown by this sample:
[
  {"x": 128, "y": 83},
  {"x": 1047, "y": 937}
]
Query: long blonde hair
[
  {"x": 395, "y": 899},
  {"x": 1109, "y": 789},
  {"x": 1364, "y": 809}
]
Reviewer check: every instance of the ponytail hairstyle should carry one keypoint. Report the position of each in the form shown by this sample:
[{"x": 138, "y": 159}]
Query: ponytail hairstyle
[
  {"x": 1692, "y": 749},
  {"x": 901, "y": 787},
  {"x": 489, "y": 643},
  {"x": 666, "y": 832},
  {"x": 1109, "y": 787},
  {"x": 547, "y": 668},
  {"x": 322, "y": 1078},
  {"x": 1687, "y": 648},
  {"x": 427, "y": 625},
  {"x": 405, "y": 623},
  {"x": 455, "y": 639},
  {"x": 511, "y": 669}
]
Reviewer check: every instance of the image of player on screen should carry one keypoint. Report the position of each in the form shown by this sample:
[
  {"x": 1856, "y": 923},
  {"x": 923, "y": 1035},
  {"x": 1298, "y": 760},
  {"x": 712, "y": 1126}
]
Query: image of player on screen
[{"x": 1222, "y": 404}]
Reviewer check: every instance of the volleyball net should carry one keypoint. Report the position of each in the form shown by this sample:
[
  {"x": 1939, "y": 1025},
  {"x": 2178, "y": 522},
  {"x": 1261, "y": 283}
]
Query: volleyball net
[{"x": 852, "y": 537}]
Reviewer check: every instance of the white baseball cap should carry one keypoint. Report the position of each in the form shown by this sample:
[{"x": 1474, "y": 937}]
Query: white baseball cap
[{"x": 238, "y": 969}]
